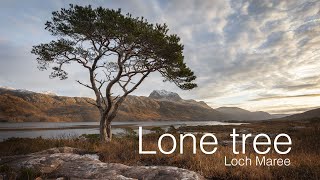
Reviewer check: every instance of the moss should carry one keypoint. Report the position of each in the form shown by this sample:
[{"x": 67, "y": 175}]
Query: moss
[{"x": 91, "y": 136}]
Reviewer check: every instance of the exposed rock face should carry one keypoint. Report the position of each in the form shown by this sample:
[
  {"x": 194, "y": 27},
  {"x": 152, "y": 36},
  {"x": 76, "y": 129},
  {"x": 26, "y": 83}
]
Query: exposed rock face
[
  {"x": 22, "y": 106},
  {"x": 75, "y": 164},
  {"x": 165, "y": 95}
]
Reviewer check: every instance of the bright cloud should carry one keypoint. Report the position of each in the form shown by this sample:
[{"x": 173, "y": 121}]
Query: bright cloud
[{"x": 245, "y": 53}]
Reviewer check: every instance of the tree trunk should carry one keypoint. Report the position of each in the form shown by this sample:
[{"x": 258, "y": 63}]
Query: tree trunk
[
  {"x": 105, "y": 130},
  {"x": 109, "y": 133}
]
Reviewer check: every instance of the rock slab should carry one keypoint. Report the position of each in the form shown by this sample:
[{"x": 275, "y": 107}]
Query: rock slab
[{"x": 76, "y": 164}]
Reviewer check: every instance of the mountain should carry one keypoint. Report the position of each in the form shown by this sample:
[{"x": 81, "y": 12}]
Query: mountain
[
  {"x": 276, "y": 116},
  {"x": 315, "y": 113},
  {"x": 235, "y": 113},
  {"x": 165, "y": 95},
  {"x": 49, "y": 93},
  {"x": 22, "y": 106}
]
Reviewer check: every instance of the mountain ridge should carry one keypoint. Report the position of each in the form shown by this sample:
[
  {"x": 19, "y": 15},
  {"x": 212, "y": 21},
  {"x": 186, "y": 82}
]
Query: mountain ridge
[
  {"x": 23, "y": 105},
  {"x": 314, "y": 113},
  {"x": 236, "y": 113}
]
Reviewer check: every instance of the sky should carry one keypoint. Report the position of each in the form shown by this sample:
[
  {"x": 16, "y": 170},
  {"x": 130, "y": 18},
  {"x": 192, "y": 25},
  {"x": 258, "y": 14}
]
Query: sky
[{"x": 257, "y": 55}]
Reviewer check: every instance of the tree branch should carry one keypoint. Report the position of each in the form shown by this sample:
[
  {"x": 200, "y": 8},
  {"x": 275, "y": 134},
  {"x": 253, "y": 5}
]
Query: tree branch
[{"x": 85, "y": 85}]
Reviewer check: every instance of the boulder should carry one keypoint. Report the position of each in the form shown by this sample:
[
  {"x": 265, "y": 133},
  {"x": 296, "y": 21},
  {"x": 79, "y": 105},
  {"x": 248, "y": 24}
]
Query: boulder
[{"x": 72, "y": 163}]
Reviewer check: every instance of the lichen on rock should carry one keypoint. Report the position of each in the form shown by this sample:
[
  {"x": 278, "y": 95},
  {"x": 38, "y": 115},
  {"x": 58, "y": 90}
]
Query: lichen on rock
[{"x": 77, "y": 164}]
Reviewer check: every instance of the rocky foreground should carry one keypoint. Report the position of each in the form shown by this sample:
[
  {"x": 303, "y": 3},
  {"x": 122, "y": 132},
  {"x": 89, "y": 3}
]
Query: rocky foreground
[{"x": 72, "y": 163}]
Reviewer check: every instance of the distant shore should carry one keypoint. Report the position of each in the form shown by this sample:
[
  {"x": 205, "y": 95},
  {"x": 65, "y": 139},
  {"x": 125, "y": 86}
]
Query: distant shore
[{"x": 305, "y": 153}]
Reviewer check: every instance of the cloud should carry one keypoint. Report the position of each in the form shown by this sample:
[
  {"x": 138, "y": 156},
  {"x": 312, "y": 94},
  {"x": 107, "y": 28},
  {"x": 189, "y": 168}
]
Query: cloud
[
  {"x": 240, "y": 50},
  {"x": 266, "y": 46},
  {"x": 285, "y": 97},
  {"x": 290, "y": 110}
]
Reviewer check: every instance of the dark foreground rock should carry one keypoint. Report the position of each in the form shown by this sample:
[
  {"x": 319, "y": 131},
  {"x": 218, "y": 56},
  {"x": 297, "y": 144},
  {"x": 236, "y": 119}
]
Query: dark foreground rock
[{"x": 73, "y": 163}]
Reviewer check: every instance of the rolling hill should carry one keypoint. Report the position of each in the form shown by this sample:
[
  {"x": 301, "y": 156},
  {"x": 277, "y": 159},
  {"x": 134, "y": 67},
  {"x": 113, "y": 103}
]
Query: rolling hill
[
  {"x": 28, "y": 106},
  {"x": 235, "y": 113},
  {"x": 311, "y": 114}
]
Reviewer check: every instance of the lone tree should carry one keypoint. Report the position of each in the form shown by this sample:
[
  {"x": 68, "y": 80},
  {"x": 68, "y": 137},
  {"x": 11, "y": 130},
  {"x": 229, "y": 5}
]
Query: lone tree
[{"x": 118, "y": 51}]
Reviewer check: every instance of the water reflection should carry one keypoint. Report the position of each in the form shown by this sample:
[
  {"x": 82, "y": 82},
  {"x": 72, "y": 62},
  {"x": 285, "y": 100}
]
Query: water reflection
[{"x": 75, "y": 129}]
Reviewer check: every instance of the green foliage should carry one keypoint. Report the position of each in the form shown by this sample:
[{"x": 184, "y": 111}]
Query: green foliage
[
  {"x": 91, "y": 136},
  {"x": 158, "y": 130},
  {"x": 88, "y": 34},
  {"x": 28, "y": 173},
  {"x": 129, "y": 132},
  {"x": 116, "y": 49},
  {"x": 7, "y": 172},
  {"x": 172, "y": 130},
  {"x": 5, "y": 168}
]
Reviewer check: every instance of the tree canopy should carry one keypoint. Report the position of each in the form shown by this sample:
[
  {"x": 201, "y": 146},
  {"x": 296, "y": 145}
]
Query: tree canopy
[
  {"x": 107, "y": 30},
  {"x": 116, "y": 49}
]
